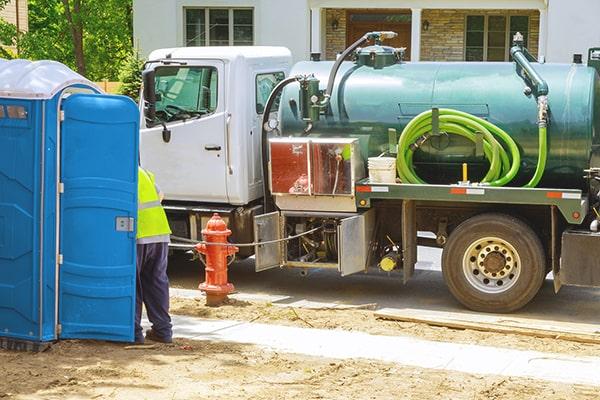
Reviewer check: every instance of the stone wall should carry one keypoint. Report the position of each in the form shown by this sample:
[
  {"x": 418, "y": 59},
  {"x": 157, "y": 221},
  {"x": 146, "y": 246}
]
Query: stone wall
[
  {"x": 443, "y": 41},
  {"x": 445, "y": 38},
  {"x": 335, "y": 38}
]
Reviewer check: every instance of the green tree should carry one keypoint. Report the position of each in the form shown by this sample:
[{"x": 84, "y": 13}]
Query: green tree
[
  {"x": 91, "y": 36},
  {"x": 131, "y": 76}
]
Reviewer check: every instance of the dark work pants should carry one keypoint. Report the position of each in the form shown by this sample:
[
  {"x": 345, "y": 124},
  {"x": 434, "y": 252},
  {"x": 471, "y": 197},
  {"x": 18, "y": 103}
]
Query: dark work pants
[{"x": 152, "y": 287}]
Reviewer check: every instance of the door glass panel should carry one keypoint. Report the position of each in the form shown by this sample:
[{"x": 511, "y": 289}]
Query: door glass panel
[
  {"x": 195, "y": 28},
  {"x": 520, "y": 23},
  {"x": 496, "y": 38},
  {"x": 265, "y": 83},
  {"x": 475, "y": 38},
  {"x": 218, "y": 27},
  {"x": 185, "y": 92}
]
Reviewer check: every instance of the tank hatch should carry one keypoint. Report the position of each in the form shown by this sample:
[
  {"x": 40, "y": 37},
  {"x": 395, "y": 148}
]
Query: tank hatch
[{"x": 379, "y": 56}]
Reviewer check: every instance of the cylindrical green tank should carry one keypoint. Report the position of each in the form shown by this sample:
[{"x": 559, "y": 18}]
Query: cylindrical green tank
[{"x": 369, "y": 100}]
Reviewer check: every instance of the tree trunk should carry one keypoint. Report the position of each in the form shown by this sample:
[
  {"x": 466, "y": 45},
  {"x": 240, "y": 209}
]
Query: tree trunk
[{"x": 75, "y": 21}]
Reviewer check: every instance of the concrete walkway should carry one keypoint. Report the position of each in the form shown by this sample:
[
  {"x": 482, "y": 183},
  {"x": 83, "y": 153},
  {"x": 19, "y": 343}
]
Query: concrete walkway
[{"x": 407, "y": 351}]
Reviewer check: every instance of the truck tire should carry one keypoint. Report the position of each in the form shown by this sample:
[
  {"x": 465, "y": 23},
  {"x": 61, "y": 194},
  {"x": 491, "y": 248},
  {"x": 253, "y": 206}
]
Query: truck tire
[{"x": 493, "y": 263}]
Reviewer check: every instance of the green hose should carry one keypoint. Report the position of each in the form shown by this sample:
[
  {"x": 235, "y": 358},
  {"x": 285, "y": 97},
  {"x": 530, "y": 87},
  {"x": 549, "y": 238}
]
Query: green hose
[{"x": 503, "y": 166}]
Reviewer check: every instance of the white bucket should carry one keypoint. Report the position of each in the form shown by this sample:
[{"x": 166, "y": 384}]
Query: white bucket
[{"x": 382, "y": 169}]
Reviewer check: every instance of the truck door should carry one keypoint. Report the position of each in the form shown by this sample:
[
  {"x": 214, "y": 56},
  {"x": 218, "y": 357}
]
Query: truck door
[
  {"x": 263, "y": 85},
  {"x": 186, "y": 146},
  {"x": 98, "y": 208}
]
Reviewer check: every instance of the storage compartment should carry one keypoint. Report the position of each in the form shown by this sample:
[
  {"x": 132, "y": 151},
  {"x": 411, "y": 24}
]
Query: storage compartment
[{"x": 316, "y": 174}]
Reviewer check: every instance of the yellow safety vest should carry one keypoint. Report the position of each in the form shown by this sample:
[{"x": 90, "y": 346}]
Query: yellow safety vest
[{"x": 152, "y": 220}]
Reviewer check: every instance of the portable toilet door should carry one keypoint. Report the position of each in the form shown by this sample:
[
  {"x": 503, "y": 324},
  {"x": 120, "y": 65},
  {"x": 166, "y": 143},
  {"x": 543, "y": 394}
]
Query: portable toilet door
[
  {"x": 98, "y": 207},
  {"x": 68, "y": 203}
]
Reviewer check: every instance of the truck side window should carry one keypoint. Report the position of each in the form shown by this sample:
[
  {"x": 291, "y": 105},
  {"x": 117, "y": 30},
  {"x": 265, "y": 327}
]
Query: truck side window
[
  {"x": 184, "y": 92},
  {"x": 265, "y": 83}
]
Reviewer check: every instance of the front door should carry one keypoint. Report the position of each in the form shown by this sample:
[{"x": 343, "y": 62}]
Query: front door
[
  {"x": 363, "y": 21},
  {"x": 186, "y": 147},
  {"x": 98, "y": 208}
]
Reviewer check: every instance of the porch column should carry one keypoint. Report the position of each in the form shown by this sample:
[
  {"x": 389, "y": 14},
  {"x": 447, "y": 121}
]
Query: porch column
[
  {"x": 315, "y": 31},
  {"x": 543, "y": 39},
  {"x": 415, "y": 35}
]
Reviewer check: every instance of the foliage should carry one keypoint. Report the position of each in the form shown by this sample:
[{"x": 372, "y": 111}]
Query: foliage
[
  {"x": 91, "y": 36},
  {"x": 131, "y": 75}
]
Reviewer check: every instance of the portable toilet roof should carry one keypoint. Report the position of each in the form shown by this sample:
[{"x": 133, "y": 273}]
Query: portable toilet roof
[{"x": 38, "y": 80}]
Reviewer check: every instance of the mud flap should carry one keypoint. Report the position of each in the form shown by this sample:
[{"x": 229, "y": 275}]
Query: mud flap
[{"x": 267, "y": 227}]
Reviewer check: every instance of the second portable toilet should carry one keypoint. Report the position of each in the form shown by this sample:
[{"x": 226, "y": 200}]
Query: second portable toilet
[{"x": 68, "y": 204}]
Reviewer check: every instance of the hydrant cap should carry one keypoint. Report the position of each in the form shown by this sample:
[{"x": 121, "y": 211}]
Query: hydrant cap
[{"x": 216, "y": 223}]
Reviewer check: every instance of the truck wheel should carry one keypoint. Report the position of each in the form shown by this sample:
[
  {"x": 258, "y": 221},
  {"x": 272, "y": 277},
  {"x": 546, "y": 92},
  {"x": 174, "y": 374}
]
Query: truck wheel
[{"x": 493, "y": 263}]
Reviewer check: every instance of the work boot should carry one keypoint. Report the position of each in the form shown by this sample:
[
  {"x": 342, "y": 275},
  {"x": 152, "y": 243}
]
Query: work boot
[{"x": 151, "y": 335}]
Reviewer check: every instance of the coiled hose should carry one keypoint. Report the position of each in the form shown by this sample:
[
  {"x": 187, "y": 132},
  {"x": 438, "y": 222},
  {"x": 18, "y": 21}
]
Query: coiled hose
[{"x": 503, "y": 165}]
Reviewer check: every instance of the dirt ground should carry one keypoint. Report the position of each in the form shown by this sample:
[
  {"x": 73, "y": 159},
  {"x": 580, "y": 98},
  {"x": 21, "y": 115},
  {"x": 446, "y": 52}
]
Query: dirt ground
[
  {"x": 203, "y": 370},
  {"x": 365, "y": 321}
]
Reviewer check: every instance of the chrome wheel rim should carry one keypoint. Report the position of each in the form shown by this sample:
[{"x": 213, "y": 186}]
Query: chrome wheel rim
[{"x": 491, "y": 265}]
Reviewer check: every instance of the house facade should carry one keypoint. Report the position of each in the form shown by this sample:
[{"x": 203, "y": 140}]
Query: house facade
[
  {"x": 430, "y": 30},
  {"x": 15, "y": 12}
]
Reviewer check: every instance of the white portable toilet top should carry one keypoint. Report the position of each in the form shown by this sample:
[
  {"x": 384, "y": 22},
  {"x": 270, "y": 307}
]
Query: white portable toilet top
[{"x": 39, "y": 80}]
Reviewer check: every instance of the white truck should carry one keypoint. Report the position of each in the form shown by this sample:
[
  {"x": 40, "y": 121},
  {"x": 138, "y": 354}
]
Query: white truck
[{"x": 202, "y": 139}]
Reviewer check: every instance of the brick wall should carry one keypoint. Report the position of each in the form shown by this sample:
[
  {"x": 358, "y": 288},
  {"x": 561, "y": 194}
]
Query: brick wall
[
  {"x": 445, "y": 38},
  {"x": 335, "y": 39}
]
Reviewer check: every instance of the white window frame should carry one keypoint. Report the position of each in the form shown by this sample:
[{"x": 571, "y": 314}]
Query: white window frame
[
  {"x": 486, "y": 31},
  {"x": 207, "y": 22}
]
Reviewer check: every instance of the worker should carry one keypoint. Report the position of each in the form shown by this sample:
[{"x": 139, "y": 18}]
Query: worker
[{"x": 153, "y": 237}]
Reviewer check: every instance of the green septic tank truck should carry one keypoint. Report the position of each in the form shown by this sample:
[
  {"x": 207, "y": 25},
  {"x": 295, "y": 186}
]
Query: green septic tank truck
[{"x": 496, "y": 163}]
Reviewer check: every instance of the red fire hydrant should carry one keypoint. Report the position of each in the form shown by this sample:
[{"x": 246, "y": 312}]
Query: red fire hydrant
[{"x": 216, "y": 286}]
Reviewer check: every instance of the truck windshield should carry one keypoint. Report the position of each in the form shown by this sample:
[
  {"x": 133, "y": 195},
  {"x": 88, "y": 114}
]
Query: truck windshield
[{"x": 185, "y": 92}]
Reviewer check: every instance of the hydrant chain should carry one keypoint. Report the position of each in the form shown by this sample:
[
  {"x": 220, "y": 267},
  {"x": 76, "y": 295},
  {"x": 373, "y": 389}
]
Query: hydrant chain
[{"x": 253, "y": 244}]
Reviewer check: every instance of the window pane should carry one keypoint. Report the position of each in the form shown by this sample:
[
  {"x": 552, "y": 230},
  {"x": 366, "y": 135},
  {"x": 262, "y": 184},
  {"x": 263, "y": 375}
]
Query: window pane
[
  {"x": 195, "y": 32},
  {"x": 243, "y": 31},
  {"x": 1, "y": 111},
  {"x": 496, "y": 54},
  {"x": 496, "y": 39},
  {"x": 520, "y": 24},
  {"x": 243, "y": 36},
  {"x": 475, "y": 23},
  {"x": 218, "y": 28},
  {"x": 264, "y": 86},
  {"x": 185, "y": 92},
  {"x": 474, "y": 54},
  {"x": 242, "y": 17},
  {"x": 475, "y": 39},
  {"x": 497, "y": 23}
]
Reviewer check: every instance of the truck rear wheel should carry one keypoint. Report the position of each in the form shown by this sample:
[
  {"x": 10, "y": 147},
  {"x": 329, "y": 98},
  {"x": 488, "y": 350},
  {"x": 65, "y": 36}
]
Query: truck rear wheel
[{"x": 493, "y": 263}]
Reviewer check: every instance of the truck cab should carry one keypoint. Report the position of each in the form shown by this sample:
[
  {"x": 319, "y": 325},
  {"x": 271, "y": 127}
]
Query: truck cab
[{"x": 201, "y": 131}]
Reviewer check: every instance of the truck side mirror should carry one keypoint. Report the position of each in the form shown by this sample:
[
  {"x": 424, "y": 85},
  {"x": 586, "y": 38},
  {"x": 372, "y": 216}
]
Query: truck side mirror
[{"x": 148, "y": 78}]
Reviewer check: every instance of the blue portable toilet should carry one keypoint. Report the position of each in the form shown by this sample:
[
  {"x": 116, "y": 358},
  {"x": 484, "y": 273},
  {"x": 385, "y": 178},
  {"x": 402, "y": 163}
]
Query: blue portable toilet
[{"x": 68, "y": 203}]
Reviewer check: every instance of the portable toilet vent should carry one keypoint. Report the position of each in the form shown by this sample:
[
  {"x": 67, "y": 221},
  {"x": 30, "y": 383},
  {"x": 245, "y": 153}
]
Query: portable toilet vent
[{"x": 68, "y": 202}]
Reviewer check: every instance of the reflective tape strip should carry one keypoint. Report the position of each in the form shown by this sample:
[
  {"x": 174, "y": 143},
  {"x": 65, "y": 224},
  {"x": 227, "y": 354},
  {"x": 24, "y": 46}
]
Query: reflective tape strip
[
  {"x": 562, "y": 195},
  {"x": 363, "y": 189},
  {"x": 149, "y": 204},
  {"x": 576, "y": 196},
  {"x": 457, "y": 190},
  {"x": 381, "y": 189}
]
